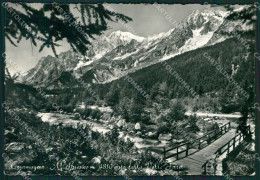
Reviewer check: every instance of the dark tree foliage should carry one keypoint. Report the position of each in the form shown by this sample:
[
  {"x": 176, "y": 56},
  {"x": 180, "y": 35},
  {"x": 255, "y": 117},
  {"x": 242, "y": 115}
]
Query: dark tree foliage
[
  {"x": 21, "y": 95},
  {"x": 177, "y": 112},
  {"x": 246, "y": 14},
  {"x": 56, "y": 22},
  {"x": 113, "y": 95},
  {"x": 10, "y": 80},
  {"x": 193, "y": 123},
  {"x": 228, "y": 100}
]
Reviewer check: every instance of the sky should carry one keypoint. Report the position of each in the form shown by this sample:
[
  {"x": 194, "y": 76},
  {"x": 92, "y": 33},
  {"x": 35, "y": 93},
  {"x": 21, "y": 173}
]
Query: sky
[{"x": 147, "y": 21}]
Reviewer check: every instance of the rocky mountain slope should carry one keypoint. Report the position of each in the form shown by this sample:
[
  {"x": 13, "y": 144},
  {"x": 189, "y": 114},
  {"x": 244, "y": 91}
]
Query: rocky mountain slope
[{"x": 120, "y": 53}]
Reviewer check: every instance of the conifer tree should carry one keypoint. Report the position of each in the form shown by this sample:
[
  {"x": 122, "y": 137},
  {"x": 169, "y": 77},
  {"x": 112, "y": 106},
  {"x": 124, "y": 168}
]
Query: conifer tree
[{"x": 52, "y": 23}]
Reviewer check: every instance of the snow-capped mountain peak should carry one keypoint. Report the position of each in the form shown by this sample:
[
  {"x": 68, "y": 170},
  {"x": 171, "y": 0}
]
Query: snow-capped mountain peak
[
  {"x": 161, "y": 35},
  {"x": 132, "y": 52},
  {"x": 125, "y": 36}
]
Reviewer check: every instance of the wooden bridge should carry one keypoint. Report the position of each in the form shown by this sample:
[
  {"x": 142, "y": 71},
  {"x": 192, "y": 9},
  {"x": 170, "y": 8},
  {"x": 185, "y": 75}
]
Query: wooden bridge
[{"x": 196, "y": 155}]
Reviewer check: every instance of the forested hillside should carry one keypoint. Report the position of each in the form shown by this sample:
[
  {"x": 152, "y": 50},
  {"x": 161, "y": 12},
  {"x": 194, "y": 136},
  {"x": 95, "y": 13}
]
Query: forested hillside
[{"x": 194, "y": 67}]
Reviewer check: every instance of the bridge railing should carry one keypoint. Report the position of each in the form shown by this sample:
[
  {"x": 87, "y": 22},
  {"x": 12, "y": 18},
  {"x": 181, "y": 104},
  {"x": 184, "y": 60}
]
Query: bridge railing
[
  {"x": 199, "y": 143},
  {"x": 227, "y": 147}
]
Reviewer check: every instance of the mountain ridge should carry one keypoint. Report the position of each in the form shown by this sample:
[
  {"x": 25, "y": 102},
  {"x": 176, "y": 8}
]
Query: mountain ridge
[{"x": 115, "y": 55}]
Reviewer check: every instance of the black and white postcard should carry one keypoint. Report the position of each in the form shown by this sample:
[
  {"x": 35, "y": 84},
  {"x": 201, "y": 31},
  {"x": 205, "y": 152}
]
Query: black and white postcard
[{"x": 129, "y": 90}]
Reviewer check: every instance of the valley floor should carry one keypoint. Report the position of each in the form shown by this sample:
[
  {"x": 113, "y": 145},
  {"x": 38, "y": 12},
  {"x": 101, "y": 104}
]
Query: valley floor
[{"x": 141, "y": 143}]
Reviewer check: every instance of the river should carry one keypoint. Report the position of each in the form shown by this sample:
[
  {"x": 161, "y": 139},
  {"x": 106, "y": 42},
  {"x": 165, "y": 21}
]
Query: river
[{"x": 103, "y": 127}]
